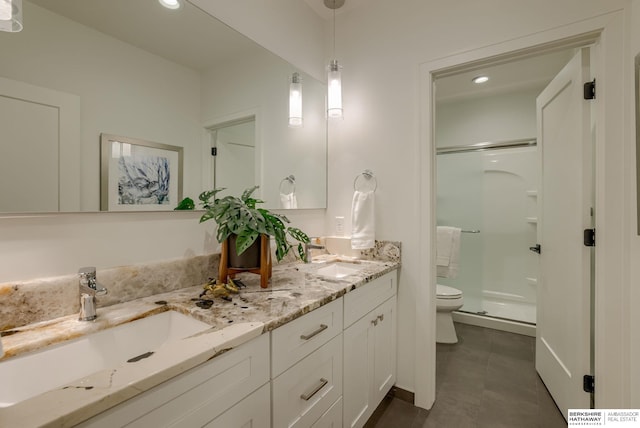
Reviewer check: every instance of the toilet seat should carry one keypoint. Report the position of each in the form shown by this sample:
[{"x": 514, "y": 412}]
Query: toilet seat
[{"x": 446, "y": 292}]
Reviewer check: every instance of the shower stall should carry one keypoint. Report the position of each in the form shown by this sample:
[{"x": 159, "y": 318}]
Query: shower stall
[{"x": 489, "y": 191}]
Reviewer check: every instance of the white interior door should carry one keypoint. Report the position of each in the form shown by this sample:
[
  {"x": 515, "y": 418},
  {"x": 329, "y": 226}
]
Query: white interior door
[{"x": 565, "y": 199}]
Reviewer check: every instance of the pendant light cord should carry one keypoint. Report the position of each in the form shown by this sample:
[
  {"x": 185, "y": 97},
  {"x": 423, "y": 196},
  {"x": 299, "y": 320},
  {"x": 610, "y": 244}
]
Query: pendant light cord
[{"x": 334, "y": 29}]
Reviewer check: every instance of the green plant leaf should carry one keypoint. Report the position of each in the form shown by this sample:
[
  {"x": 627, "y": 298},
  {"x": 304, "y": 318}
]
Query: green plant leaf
[
  {"x": 186, "y": 204},
  {"x": 240, "y": 216},
  {"x": 245, "y": 240},
  {"x": 298, "y": 235},
  {"x": 301, "y": 253},
  {"x": 247, "y": 193}
]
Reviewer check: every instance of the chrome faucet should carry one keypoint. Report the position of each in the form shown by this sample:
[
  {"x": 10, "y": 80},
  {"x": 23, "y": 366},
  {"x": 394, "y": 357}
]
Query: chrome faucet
[
  {"x": 307, "y": 250},
  {"x": 89, "y": 289}
]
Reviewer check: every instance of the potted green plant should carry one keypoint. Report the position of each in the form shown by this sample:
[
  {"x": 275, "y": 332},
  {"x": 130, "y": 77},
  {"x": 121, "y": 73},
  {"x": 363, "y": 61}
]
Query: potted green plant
[{"x": 239, "y": 218}]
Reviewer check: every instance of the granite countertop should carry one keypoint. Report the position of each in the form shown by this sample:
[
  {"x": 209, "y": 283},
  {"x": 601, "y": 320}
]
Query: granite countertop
[{"x": 294, "y": 290}]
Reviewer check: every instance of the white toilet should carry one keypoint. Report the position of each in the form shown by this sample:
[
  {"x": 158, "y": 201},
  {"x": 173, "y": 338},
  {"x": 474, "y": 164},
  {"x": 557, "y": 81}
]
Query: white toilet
[{"x": 448, "y": 299}]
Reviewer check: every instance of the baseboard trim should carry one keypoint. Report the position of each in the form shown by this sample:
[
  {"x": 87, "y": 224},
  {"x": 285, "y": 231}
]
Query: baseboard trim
[{"x": 401, "y": 394}]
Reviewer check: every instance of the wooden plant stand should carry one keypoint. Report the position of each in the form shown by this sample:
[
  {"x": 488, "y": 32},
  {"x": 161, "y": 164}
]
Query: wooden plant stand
[{"x": 264, "y": 270}]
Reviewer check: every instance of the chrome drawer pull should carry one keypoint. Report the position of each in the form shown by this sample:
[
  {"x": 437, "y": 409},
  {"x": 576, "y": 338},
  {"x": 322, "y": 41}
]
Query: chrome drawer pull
[
  {"x": 320, "y": 329},
  {"x": 318, "y": 387}
]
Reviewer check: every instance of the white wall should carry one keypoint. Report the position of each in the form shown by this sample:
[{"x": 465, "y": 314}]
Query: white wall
[
  {"x": 501, "y": 117},
  {"x": 259, "y": 85},
  {"x": 288, "y": 28}
]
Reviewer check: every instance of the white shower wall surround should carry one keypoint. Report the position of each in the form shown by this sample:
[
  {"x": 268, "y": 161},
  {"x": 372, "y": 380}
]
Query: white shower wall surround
[{"x": 493, "y": 191}]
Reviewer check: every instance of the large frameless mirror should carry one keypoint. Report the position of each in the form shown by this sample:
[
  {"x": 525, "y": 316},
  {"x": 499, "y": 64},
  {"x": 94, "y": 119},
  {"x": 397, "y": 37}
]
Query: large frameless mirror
[{"x": 83, "y": 68}]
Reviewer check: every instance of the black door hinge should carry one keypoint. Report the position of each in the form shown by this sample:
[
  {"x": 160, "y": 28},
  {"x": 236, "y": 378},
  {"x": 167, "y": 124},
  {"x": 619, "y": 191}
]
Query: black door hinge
[
  {"x": 589, "y": 237},
  {"x": 536, "y": 249},
  {"x": 590, "y": 90},
  {"x": 589, "y": 383},
  {"x": 214, "y": 151}
]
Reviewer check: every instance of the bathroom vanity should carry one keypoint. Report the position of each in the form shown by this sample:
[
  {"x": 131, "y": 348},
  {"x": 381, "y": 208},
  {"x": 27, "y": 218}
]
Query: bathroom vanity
[{"x": 310, "y": 351}]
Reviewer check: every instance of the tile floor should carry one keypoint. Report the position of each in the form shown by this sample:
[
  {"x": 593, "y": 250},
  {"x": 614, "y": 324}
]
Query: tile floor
[{"x": 486, "y": 380}]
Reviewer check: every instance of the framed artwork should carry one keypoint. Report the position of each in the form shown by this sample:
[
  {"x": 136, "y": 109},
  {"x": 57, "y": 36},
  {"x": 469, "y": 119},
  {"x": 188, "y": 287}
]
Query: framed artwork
[{"x": 137, "y": 175}]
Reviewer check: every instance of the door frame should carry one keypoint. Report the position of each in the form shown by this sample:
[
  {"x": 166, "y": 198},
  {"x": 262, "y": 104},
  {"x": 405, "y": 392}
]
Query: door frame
[{"x": 611, "y": 360}]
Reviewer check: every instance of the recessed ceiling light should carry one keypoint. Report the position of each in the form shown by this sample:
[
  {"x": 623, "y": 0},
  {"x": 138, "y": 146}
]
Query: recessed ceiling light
[
  {"x": 480, "y": 79},
  {"x": 170, "y": 4}
]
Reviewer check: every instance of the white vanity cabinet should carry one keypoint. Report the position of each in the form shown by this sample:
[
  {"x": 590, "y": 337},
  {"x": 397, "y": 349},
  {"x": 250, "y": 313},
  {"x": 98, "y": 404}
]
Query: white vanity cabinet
[
  {"x": 369, "y": 348},
  {"x": 329, "y": 368},
  {"x": 307, "y": 368},
  {"x": 218, "y": 393}
]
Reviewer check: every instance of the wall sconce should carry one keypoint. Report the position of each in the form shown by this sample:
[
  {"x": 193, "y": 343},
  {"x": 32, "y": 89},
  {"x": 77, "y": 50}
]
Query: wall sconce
[
  {"x": 295, "y": 101},
  {"x": 11, "y": 15},
  {"x": 334, "y": 77}
]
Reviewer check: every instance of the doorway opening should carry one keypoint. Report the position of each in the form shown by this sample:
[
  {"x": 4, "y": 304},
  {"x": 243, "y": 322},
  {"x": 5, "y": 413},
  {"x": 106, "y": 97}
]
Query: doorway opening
[
  {"x": 508, "y": 158},
  {"x": 487, "y": 184},
  {"x": 233, "y": 154}
]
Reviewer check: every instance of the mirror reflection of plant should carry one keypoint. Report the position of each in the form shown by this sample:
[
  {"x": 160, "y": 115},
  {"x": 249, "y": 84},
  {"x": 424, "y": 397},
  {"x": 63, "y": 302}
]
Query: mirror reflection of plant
[{"x": 240, "y": 216}]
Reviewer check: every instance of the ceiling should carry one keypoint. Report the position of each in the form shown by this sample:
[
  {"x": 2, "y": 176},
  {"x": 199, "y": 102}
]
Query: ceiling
[
  {"x": 530, "y": 72},
  {"x": 187, "y": 36}
]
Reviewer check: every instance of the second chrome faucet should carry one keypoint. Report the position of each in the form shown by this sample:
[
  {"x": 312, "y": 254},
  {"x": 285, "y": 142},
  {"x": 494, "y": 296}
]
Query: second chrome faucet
[{"x": 89, "y": 288}]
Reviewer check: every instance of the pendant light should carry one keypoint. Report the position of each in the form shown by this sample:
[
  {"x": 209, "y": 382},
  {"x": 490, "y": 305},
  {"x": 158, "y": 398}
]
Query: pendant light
[
  {"x": 11, "y": 15},
  {"x": 295, "y": 101},
  {"x": 334, "y": 78}
]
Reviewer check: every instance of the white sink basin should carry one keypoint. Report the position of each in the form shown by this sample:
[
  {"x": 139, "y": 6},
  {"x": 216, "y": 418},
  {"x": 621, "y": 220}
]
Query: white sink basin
[
  {"x": 338, "y": 270},
  {"x": 26, "y": 376}
]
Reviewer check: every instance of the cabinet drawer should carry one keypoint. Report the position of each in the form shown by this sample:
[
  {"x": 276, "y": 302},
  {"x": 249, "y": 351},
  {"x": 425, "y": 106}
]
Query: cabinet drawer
[
  {"x": 254, "y": 411},
  {"x": 302, "y": 394},
  {"x": 332, "y": 418},
  {"x": 299, "y": 338},
  {"x": 196, "y": 396},
  {"x": 364, "y": 299}
]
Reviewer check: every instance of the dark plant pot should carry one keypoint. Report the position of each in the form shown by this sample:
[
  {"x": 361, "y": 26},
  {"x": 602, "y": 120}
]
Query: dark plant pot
[{"x": 249, "y": 259}]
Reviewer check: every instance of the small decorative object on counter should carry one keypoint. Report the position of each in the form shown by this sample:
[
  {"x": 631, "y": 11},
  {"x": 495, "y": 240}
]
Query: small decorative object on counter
[{"x": 240, "y": 224}]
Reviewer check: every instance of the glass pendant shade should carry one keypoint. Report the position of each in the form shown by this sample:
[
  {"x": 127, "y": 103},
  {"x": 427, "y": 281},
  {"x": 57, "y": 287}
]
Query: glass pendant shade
[
  {"x": 295, "y": 101},
  {"x": 11, "y": 15},
  {"x": 334, "y": 96}
]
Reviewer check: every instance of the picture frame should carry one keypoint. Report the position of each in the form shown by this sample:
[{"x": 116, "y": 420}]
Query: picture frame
[{"x": 138, "y": 175}]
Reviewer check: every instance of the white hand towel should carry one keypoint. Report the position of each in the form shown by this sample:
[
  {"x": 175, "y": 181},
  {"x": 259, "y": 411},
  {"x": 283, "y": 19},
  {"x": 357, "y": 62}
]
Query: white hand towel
[
  {"x": 288, "y": 201},
  {"x": 447, "y": 251},
  {"x": 444, "y": 237},
  {"x": 362, "y": 220}
]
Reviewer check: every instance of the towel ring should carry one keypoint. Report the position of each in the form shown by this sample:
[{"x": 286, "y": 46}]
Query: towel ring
[
  {"x": 291, "y": 180},
  {"x": 368, "y": 176}
]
